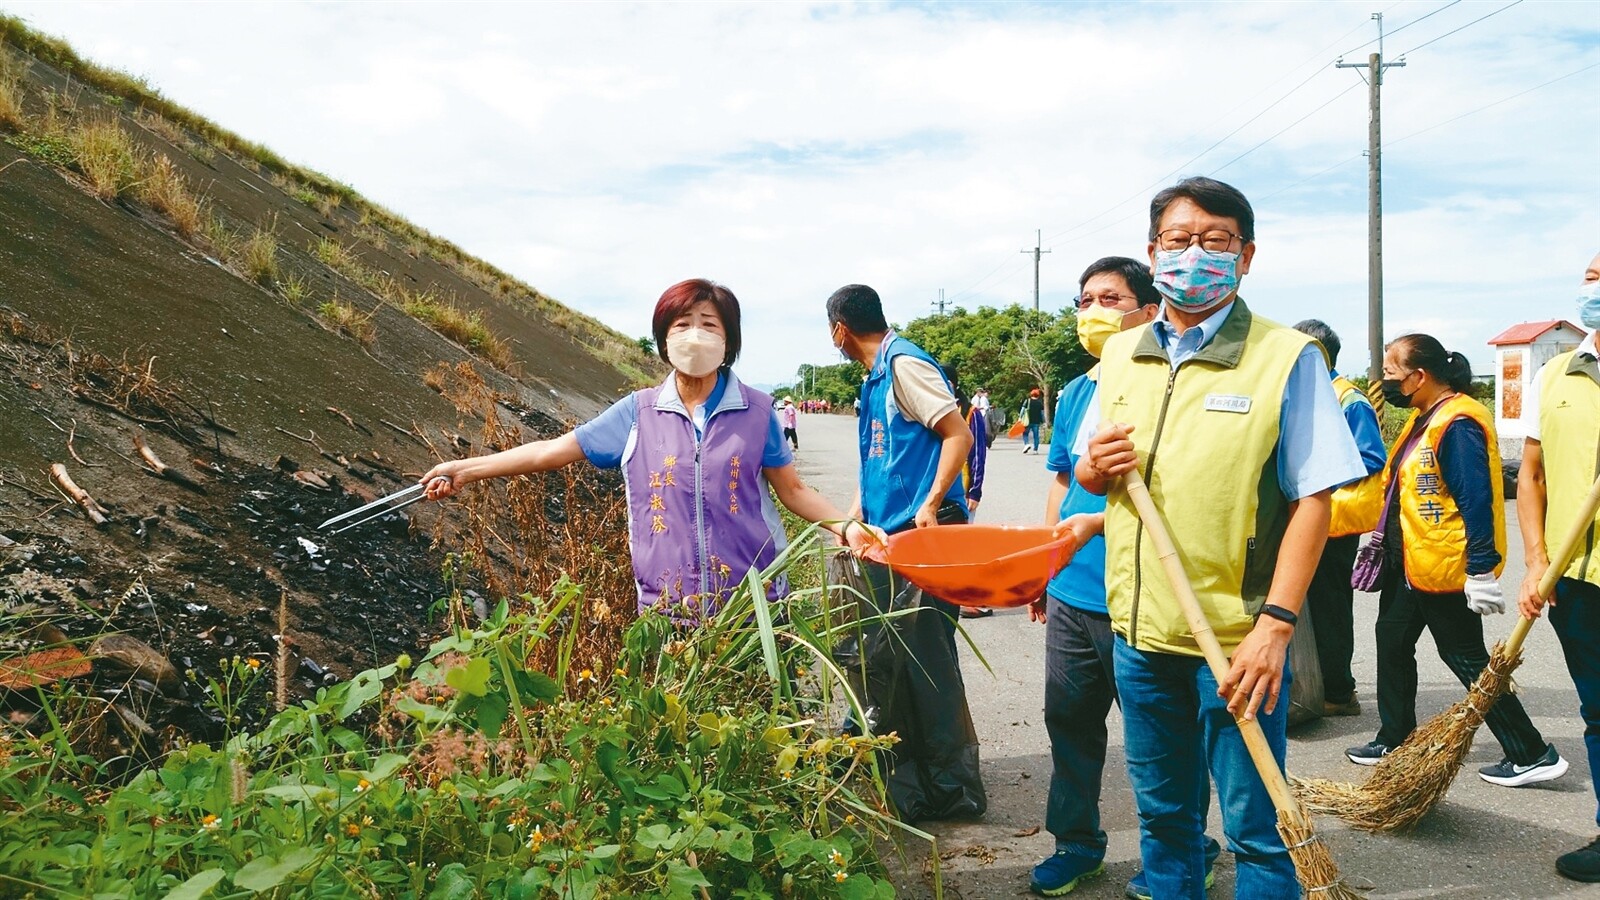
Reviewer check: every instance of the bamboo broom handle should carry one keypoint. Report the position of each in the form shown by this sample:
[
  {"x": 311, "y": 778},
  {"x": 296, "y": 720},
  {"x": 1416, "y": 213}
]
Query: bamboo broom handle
[
  {"x": 1254, "y": 739},
  {"x": 1558, "y": 565}
]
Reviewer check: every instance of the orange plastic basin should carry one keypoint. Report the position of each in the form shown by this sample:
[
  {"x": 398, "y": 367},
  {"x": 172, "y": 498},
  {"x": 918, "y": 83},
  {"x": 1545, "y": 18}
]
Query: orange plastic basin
[{"x": 980, "y": 565}]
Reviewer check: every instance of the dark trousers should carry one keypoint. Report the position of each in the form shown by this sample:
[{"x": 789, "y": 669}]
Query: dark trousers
[
  {"x": 1079, "y": 687},
  {"x": 792, "y": 436},
  {"x": 1576, "y": 619},
  {"x": 1458, "y": 633},
  {"x": 1332, "y": 600}
]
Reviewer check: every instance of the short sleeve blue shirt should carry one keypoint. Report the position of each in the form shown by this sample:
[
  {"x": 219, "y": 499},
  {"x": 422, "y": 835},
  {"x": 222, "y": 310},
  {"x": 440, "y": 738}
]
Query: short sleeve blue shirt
[{"x": 604, "y": 438}]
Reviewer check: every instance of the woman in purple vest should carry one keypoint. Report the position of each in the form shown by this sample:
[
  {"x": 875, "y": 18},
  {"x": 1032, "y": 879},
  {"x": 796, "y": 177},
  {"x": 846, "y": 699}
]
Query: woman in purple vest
[{"x": 697, "y": 453}]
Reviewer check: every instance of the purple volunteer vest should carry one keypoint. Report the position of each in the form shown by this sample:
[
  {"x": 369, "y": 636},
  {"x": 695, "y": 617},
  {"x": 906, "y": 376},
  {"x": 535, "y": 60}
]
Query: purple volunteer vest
[{"x": 699, "y": 512}]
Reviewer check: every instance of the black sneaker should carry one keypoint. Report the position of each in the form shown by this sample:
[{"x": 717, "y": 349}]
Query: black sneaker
[
  {"x": 1368, "y": 754},
  {"x": 1582, "y": 864},
  {"x": 1508, "y": 774}
]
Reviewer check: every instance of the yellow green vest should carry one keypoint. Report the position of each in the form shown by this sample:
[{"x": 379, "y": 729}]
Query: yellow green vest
[
  {"x": 1569, "y": 435},
  {"x": 1435, "y": 544},
  {"x": 1207, "y": 436},
  {"x": 1357, "y": 505}
]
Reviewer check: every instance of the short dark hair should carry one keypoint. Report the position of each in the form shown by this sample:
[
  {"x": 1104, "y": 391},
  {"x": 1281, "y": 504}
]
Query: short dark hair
[
  {"x": 1213, "y": 196},
  {"x": 1135, "y": 273},
  {"x": 859, "y": 308},
  {"x": 1318, "y": 330},
  {"x": 676, "y": 300}
]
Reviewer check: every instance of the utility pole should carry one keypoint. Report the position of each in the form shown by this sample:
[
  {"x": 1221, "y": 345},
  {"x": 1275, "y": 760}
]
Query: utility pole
[
  {"x": 1036, "y": 252},
  {"x": 939, "y": 303},
  {"x": 1374, "y": 67}
]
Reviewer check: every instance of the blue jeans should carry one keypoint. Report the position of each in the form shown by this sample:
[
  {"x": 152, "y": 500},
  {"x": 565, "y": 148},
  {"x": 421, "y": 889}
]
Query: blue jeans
[
  {"x": 1175, "y": 728},
  {"x": 1576, "y": 620},
  {"x": 1030, "y": 435}
]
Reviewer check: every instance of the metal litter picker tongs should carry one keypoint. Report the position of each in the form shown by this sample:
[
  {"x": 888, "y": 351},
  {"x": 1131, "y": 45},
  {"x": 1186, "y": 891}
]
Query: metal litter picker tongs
[{"x": 376, "y": 509}]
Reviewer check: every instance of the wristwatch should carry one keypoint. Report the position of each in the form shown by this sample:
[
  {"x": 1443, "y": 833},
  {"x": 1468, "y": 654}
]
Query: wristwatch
[{"x": 1279, "y": 613}]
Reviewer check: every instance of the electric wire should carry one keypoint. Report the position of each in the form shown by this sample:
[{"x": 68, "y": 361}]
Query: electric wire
[
  {"x": 1390, "y": 34},
  {"x": 1456, "y": 118},
  {"x": 1468, "y": 25},
  {"x": 1279, "y": 133}
]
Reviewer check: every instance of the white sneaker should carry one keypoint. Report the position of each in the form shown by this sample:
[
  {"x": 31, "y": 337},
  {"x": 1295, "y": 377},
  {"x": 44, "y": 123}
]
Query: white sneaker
[{"x": 1506, "y": 773}]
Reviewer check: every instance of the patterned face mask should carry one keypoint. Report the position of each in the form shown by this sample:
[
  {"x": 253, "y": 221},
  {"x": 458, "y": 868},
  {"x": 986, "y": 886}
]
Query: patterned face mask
[{"x": 1196, "y": 279}]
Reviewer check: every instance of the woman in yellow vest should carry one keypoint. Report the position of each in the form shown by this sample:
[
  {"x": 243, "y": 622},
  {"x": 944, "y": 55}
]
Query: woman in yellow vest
[{"x": 1444, "y": 544}]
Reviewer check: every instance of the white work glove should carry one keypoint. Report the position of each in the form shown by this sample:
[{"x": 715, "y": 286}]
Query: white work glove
[{"x": 1483, "y": 594}]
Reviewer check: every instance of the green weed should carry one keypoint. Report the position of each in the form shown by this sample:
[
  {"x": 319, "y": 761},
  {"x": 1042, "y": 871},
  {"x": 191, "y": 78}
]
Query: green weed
[
  {"x": 348, "y": 320},
  {"x": 165, "y": 189},
  {"x": 293, "y": 288},
  {"x": 257, "y": 256},
  {"x": 105, "y": 155}
]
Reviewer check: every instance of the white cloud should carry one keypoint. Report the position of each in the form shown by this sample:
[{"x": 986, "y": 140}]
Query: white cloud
[{"x": 605, "y": 151}]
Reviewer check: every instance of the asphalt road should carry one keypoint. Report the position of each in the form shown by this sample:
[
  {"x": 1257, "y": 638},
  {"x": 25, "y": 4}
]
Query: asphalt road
[{"x": 1481, "y": 843}]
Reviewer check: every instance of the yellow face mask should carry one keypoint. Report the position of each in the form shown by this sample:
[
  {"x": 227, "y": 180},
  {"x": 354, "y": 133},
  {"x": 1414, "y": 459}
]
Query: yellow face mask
[{"x": 1096, "y": 324}]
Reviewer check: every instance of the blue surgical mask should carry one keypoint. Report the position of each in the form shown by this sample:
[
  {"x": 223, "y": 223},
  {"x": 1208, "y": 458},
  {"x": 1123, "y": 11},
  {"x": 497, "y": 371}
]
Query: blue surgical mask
[
  {"x": 1589, "y": 304},
  {"x": 1196, "y": 279}
]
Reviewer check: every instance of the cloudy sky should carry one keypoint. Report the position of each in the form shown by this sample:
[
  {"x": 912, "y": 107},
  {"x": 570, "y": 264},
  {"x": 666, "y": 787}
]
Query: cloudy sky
[{"x": 603, "y": 151}]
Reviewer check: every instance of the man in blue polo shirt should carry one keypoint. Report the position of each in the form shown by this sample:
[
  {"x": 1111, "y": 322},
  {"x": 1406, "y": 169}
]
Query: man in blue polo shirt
[{"x": 1114, "y": 294}]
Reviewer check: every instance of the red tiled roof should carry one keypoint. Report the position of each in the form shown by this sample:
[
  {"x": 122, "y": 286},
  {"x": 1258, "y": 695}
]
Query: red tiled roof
[{"x": 1528, "y": 332}]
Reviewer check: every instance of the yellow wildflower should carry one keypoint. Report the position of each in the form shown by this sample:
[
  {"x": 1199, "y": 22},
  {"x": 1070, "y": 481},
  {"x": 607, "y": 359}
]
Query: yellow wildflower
[
  {"x": 840, "y": 876},
  {"x": 836, "y": 858},
  {"x": 352, "y": 830},
  {"x": 253, "y": 663},
  {"x": 362, "y": 785},
  {"x": 210, "y": 822}
]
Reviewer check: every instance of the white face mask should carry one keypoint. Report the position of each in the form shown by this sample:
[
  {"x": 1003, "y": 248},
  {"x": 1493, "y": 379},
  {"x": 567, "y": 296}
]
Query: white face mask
[{"x": 696, "y": 352}]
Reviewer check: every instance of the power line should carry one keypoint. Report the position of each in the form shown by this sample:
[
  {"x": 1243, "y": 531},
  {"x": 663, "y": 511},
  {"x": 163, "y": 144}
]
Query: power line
[
  {"x": 1480, "y": 109},
  {"x": 1387, "y": 144},
  {"x": 1284, "y": 129},
  {"x": 1009, "y": 261},
  {"x": 1220, "y": 141},
  {"x": 1468, "y": 25},
  {"x": 1402, "y": 27}
]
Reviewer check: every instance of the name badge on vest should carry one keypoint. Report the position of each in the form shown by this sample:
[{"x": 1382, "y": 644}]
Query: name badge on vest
[{"x": 1230, "y": 403}]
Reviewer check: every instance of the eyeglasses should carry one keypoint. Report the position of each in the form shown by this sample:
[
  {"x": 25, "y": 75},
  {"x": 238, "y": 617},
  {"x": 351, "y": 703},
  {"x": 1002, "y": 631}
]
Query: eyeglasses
[
  {"x": 1215, "y": 241},
  {"x": 1084, "y": 301}
]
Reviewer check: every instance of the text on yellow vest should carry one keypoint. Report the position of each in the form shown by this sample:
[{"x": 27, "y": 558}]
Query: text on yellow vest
[
  {"x": 1434, "y": 543},
  {"x": 1206, "y": 434}
]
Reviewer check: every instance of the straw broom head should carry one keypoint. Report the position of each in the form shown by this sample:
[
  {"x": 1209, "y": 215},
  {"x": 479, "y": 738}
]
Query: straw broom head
[{"x": 1409, "y": 782}]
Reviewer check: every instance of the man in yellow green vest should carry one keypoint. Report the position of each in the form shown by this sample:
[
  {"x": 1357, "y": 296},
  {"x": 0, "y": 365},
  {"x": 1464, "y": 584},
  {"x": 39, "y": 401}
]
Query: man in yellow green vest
[
  {"x": 1356, "y": 507},
  {"x": 1234, "y": 425},
  {"x": 1560, "y": 460}
]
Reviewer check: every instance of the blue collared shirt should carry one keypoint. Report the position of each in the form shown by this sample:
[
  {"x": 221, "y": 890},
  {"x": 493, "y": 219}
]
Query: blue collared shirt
[
  {"x": 604, "y": 438},
  {"x": 1316, "y": 449},
  {"x": 1363, "y": 422}
]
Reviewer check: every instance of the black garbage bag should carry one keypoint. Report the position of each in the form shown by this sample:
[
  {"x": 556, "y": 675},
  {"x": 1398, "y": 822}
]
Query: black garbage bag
[{"x": 907, "y": 676}]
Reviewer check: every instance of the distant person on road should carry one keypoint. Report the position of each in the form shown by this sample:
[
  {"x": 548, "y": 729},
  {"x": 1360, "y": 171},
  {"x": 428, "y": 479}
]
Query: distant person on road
[
  {"x": 1444, "y": 545},
  {"x": 699, "y": 513},
  {"x": 1032, "y": 420},
  {"x": 1557, "y": 472},
  {"x": 789, "y": 418},
  {"x": 1233, "y": 423},
  {"x": 1114, "y": 295},
  {"x": 977, "y": 461},
  {"x": 1356, "y": 506},
  {"x": 913, "y": 444}
]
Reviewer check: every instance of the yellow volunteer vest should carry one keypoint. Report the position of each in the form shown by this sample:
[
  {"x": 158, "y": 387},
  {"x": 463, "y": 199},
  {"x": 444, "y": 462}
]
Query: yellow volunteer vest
[
  {"x": 1569, "y": 429},
  {"x": 1435, "y": 543},
  {"x": 1357, "y": 505},
  {"x": 1206, "y": 434}
]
